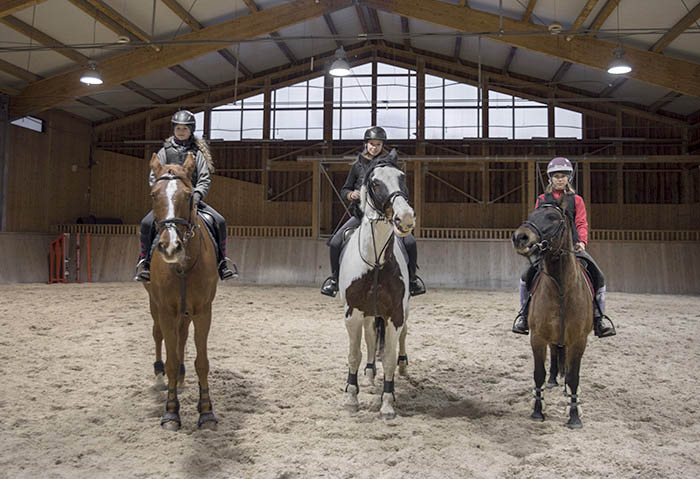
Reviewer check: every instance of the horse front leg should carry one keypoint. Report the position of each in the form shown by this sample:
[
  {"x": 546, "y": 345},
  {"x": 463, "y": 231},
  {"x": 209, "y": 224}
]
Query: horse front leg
[
  {"x": 403, "y": 357},
  {"x": 539, "y": 352},
  {"x": 389, "y": 362},
  {"x": 370, "y": 329},
  {"x": 182, "y": 336},
  {"x": 171, "y": 416},
  {"x": 202, "y": 323},
  {"x": 353, "y": 323},
  {"x": 573, "y": 365},
  {"x": 158, "y": 365}
]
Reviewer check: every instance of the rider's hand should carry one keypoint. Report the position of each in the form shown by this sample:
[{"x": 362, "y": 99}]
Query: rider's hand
[
  {"x": 354, "y": 195},
  {"x": 580, "y": 247},
  {"x": 196, "y": 198}
]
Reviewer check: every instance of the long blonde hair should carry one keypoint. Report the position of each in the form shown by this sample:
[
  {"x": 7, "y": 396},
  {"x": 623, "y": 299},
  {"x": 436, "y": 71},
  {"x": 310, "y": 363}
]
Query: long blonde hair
[
  {"x": 202, "y": 146},
  {"x": 568, "y": 189}
]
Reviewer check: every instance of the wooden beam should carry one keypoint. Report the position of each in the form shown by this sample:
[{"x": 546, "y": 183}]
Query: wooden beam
[
  {"x": 458, "y": 48},
  {"x": 235, "y": 62},
  {"x": 332, "y": 28},
  {"x": 144, "y": 92},
  {"x": 374, "y": 19},
  {"x": 63, "y": 87},
  {"x": 119, "y": 19},
  {"x": 184, "y": 15},
  {"x": 663, "y": 101},
  {"x": 603, "y": 15},
  {"x": 98, "y": 105},
  {"x": 88, "y": 8},
  {"x": 253, "y": 7},
  {"x": 406, "y": 31},
  {"x": 19, "y": 72},
  {"x": 9, "y": 7},
  {"x": 671, "y": 73},
  {"x": 363, "y": 21},
  {"x": 528, "y": 10},
  {"x": 582, "y": 16},
  {"x": 561, "y": 71},
  {"x": 612, "y": 87},
  {"x": 677, "y": 29},
  {"x": 509, "y": 59},
  {"x": 38, "y": 36},
  {"x": 186, "y": 75}
]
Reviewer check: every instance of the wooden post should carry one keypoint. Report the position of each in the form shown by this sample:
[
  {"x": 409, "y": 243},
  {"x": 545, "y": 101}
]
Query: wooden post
[
  {"x": 619, "y": 173},
  {"x": 418, "y": 187},
  {"x": 4, "y": 162},
  {"x": 147, "y": 133},
  {"x": 265, "y": 152},
  {"x": 587, "y": 191},
  {"x": 531, "y": 192},
  {"x": 374, "y": 86},
  {"x": 420, "y": 102},
  {"x": 327, "y": 191},
  {"x": 484, "y": 108},
  {"x": 316, "y": 201}
]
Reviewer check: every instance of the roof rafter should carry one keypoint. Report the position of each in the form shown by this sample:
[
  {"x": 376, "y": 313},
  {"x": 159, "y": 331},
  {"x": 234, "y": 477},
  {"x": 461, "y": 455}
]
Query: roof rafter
[
  {"x": 19, "y": 72},
  {"x": 374, "y": 19},
  {"x": 603, "y": 15},
  {"x": 188, "y": 76},
  {"x": 685, "y": 22},
  {"x": 526, "y": 18},
  {"x": 663, "y": 101},
  {"x": 8, "y": 7},
  {"x": 98, "y": 105},
  {"x": 672, "y": 73},
  {"x": 36, "y": 35},
  {"x": 528, "y": 10},
  {"x": 253, "y": 7},
  {"x": 63, "y": 87},
  {"x": 363, "y": 20},
  {"x": 332, "y": 28},
  {"x": 406, "y": 31},
  {"x": 144, "y": 92},
  {"x": 580, "y": 19}
]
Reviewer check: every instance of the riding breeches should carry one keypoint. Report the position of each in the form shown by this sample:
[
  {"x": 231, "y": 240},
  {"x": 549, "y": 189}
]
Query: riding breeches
[{"x": 594, "y": 271}]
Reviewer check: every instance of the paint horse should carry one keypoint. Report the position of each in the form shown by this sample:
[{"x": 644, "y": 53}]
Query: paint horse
[
  {"x": 561, "y": 307},
  {"x": 183, "y": 284},
  {"x": 373, "y": 279}
]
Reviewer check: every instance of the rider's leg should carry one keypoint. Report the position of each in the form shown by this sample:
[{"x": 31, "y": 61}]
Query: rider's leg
[
  {"x": 330, "y": 285},
  {"x": 221, "y": 237},
  {"x": 146, "y": 239},
  {"x": 520, "y": 325},
  {"x": 602, "y": 325},
  {"x": 415, "y": 284}
]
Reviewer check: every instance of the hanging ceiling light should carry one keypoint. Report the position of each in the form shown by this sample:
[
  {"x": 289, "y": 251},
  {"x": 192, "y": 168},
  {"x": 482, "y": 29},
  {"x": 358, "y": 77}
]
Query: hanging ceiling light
[
  {"x": 340, "y": 66},
  {"x": 619, "y": 65},
  {"x": 91, "y": 76}
]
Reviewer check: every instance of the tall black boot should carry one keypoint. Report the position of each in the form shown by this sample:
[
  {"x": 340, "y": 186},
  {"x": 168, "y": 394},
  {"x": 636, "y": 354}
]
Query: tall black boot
[
  {"x": 146, "y": 243},
  {"x": 330, "y": 285},
  {"x": 603, "y": 327},
  {"x": 520, "y": 325},
  {"x": 416, "y": 286},
  {"x": 222, "y": 261}
]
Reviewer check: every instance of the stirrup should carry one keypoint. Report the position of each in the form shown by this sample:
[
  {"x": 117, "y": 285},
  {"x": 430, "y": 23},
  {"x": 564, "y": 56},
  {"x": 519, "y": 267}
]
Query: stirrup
[
  {"x": 144, "y": 275},
  {"x": 416, "y": 286},
  {"x": 519, "y": 322},
  {"x": 224, "y": 271},
  {"x": 603, "y": 332},
  {"x": 330, "y": 287}
]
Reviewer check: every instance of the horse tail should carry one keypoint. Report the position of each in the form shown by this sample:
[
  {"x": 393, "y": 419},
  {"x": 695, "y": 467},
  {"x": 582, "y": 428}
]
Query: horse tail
[
  {"x": 379, "y": 328},
  {"x": 561, "y": 360}
]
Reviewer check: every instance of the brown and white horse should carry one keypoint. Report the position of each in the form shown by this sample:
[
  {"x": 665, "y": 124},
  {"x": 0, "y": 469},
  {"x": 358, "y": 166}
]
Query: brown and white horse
[
  {"x": 183, "y": 284},
  {"x": 561, "y": 307},
  {"x": 373, "y": 278}
]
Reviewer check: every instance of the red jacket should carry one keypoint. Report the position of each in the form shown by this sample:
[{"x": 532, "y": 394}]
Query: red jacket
[{"x": 580, "y": 221}]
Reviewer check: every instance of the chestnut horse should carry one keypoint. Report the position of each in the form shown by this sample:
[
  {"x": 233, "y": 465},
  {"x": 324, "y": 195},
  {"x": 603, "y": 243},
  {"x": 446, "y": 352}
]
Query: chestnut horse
[
  {"x": 561, "y": 307},
  {"x": 373, "y": 278},
  {"x": 183, "y": 284}
]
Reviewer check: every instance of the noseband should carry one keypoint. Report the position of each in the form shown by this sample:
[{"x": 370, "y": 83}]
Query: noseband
[
  {"x": 175, "y": 221},
  {"x": 389, "y": 201},
  {"x": 545, "y": 243}
]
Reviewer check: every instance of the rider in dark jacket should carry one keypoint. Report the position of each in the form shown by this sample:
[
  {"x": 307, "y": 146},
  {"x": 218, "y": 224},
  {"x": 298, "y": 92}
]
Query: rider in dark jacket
[
  {"x": 175, "y": 151},
  {"x": 374, "y": 139}
]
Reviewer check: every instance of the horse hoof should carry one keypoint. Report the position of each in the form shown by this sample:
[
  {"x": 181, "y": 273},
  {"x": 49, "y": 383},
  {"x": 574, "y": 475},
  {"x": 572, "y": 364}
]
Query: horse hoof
[
  {"x": 352, "y": 408},
  {"x": 159, "y": 384},
  {"x": 403, "y": 370},
  {"x": 388, "y": 415},
  {"x": 207, "y": 421},
  {"x": 574, "y": 424},
  {"x": 552, "y": 384},
  {"x": 537, "y": 416},
  {"x": 170, "y": 425}
]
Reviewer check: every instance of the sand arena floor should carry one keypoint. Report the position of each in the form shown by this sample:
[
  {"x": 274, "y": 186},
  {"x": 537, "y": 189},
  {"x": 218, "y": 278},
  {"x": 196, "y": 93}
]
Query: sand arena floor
[{"x": 77, "y": 398}]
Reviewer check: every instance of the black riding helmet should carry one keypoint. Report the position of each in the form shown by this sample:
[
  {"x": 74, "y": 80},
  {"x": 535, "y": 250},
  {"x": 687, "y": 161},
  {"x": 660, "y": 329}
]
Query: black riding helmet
[
  {"x": 184, "y": 117},
  {"x": 375, "y": 133}
]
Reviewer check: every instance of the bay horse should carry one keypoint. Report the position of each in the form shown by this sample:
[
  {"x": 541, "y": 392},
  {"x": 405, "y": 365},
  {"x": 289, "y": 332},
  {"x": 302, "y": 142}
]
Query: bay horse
[
  {"x": 373, "y": 278},
  {"x": 561, "y": 306},
  {"x": 183, "y": 285}
]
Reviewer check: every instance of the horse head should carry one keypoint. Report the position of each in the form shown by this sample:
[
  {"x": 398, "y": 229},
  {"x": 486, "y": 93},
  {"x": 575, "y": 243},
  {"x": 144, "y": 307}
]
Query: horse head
[
  {"x": 543, "y": 230},
  {"x": 384, "y": 195},
  {"x": 172, "y": 207}
]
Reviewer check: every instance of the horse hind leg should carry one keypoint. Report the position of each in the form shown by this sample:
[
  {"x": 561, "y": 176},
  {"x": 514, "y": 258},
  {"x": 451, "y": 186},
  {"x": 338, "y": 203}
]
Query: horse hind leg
[
  {"x": 403, "y": 357},
  {"x": 370, "y": 329},
  {"x": 353, "y": 324},
  {"x": 539, "y": 352},
  {"x": 556, "y": 365},
  {"x": 171, "y": 415},
  {"x": 207, "y": 419},
  {"x": 181, "y": 343},
  {"x": 158, "y": 365},
  {"x": 573, "y": 409}
]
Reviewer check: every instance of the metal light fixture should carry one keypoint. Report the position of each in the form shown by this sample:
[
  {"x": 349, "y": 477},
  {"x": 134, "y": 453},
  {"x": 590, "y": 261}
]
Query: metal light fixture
[
  {"x": 619, "y": 65},
  {"x": 91, "y": 76},
  {"x": 340, "y": 66}
]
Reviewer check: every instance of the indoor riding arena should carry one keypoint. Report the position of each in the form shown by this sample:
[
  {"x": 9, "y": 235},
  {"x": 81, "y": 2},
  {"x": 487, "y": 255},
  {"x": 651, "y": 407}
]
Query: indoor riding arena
[{"x": 501, "y": 134}]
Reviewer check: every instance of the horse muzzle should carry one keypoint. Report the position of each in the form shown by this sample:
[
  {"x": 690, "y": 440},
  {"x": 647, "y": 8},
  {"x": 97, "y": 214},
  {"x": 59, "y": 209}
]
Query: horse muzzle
[
  {"x": 404, "y": 226},
  {"x": 524, "y": 241},
  {"x": 170, "y": 246}
]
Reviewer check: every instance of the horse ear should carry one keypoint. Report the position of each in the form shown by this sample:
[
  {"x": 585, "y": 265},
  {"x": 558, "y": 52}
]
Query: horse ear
[
  {"x": 188, "y": 165},
  {"x": 563, "y": 202},
  {"x": 156, "y": 165},
  {"x": 363, "y": 197},
  {"x": 393, "y": 157}
]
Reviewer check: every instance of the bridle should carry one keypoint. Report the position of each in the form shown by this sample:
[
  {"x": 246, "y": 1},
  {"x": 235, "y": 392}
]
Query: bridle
[
  {"x": 173, "y": 222},
  {"x": 546, "y": 242},
  {"x": 381, "y": 211}
]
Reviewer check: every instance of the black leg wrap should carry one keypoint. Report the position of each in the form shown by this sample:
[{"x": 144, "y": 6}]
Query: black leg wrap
[
  {"x": 371, "y": 366},
  {"x": 182, "y": 369},
  {"x": 174, "y": 415},
  {"x": 389, "y": 388},
  {"x": 403, "y": 357},
  {"x": 159, "y": 367},
  {"x": 352, "y": 381}
]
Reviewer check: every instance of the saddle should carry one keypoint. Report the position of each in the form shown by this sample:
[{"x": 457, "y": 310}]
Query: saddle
[
  {"x": 210, "y": 225},
  {"x": 348, "y": 233}
]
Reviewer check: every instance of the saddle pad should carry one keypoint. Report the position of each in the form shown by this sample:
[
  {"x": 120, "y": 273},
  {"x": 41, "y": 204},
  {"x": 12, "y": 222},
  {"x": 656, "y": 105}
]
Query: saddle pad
[
  {"x": 350, "y": 231},
  {"x": 209, "y": 224}
]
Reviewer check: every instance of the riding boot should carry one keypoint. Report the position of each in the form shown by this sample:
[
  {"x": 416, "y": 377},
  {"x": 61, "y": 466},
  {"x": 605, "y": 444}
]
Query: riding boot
[
  {"x": 146, "y": 240},
  {"x": 330, "y": 285},
  {"x": 520, "y": 325},
  {"x": 416, "y": 286},
  {"x": 602, "y": 325},
  {"x": 224, "y": 271}
]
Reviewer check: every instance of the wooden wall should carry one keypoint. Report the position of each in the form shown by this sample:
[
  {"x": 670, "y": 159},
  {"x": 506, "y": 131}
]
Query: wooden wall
[{"x": 49, "y": 174}]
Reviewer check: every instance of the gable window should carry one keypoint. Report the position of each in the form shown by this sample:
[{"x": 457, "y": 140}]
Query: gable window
[
  {"x": 31, "y": 123},
  {"x": 297, "y": 111},
  {"x": 241, "y": 120}
]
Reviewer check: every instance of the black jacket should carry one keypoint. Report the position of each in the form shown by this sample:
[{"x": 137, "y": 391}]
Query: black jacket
[{"x": 355, "y": 178}]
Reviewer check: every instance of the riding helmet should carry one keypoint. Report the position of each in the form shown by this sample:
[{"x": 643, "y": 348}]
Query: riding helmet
[
  {"x": 184, "y": 117},
  {"x": 375, "y": 133},
  {"x": 560, "y": 165}
]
